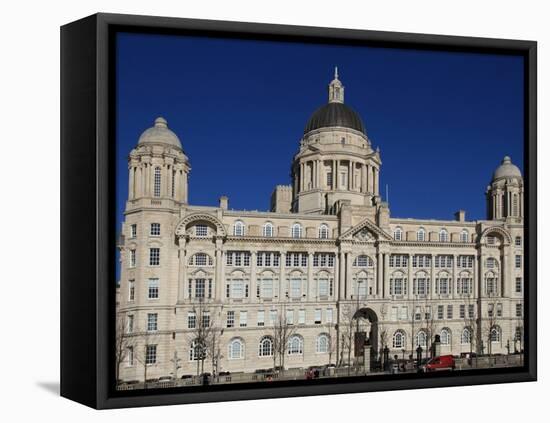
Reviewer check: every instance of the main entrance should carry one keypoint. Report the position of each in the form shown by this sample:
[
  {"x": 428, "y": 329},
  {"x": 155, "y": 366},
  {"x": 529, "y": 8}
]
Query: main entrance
[{"x": 366, "y": 331}]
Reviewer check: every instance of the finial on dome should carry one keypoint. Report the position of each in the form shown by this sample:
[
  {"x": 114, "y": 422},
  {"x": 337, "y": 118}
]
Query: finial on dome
[
  {"x": 336, "y": 89},
  {"x": 160, "y": 122},
  {"x": 506, "y": 159},
  {"x": 335, "y": 72}
]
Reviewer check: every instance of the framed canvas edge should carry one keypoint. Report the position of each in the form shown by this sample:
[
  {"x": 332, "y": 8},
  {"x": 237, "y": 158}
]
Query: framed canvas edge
[{"x": 103, "y": 161}]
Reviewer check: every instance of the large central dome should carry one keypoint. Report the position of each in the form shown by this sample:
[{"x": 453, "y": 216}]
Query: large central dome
[{"x": 335, "y": 114}]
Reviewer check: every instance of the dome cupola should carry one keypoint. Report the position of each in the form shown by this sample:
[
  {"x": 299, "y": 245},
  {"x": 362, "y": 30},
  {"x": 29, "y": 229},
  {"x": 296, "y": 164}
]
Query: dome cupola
[
  {"x": 506, "y": 170},
  {"x": 160, "y": 134}
]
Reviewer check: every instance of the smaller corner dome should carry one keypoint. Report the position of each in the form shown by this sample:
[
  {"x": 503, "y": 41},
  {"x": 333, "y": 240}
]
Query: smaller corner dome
[
  {"x": 507, "y": 170},
  {"x": 160, "y": 134}
]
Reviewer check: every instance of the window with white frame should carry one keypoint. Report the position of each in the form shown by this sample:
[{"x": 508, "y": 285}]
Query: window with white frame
[
  {"x": 421, "y": 234},
  {"x": 296, "y": 260},
  {"x": 156, "y": 188},
  {"x": 422, "y": 260},
  {"x": 301, "y": 317},
  {"x": 417, "y": 313},
  {"x": 443, "y": 285},
  {"x": 238, "y": 228},
  {"x": 155, "y": 229},
  {"x": 152, "y": 322},
  {"x": 464, "y": 285},
  {"x": 443, "y": 261},
  {"x": 517, "y": 241},
  {"x": 265, "y": 287},
  {"x": 398, "y": 340},
  {"x": 398, "y": 286},
  {"x": 464, "y": 236},
  {"x": 491, "y": 284},
  {"x": 328, "y": 313},
  {"x": 495, "y": 334},
  {"x": 273, "y": 317},
  {"x": 197, "y": 351},
  {"x": 295, "y": 287},
  {"x": 462, "y": 311},
  {"x": 267, "y": 259},
  {"x": 322, "y": 343},
  {"x": 518, "y": 261},
  {"x": 471, "y": 311},
  {"x": 323, "y": 260},
  {"x": 399, "y": 260},
  {"x": 289, "y": 317},
  {"x": 266, "y": 347},
  {"x": 421, "y": 285},
  {"x": 491, "y": 263},
  {"x": 421, "y": 339},
  {"x": 519, "y": 310},
  {"x": 323, "y": 231},
  {"x": 465, "y": 262},
  {"x": 440, "y": 312},
  {"x": 363, "y": 261},
  {"x": 267, "y": 230},
  {"x": 296, "y": 231},
  {"x": 205, "y": 319},
  {"x": 154, "y": 256},
  {"x": 323, "y": 286},
  {"x": 201, "y": 259},
  {"x": 318, "y": 316},
  {"x": 443, "y": 235},
  {"x": 445, "y": 336},
  {"x": 499, "y": 310},
  {"x": 150, "y": 354},
  {"x": 450, "y": 311},
  {"x": 490, "y": 310},
  {"x": 398, "y": 234},
  {"x": 236, "y": 288},
  {"x": 243, "y": 319},
  {"x": 404, "y": 313},
  {"x": 130, "y": 356},
  {"x": 131, "y": 290},
  {"x": 260, "y": 318},
  {"x": 236, "y": 349},
  {"x": 191, "y": 320},
  {"x": 201, "y": 230},
  {"x": 295, "y": 345},
  {"x": 238, "y": 258},
  {"x": 519, "y": 285},
  {"x": 230, "y": 322},
  {"x": 133, "y": 231},
  {"x": 153, "y": 288},
  {"x": 132, "y": 257},
  {"x": 491, "y": 239},
  {"x": 130, "y": 325},
  {"x": 466, "y": 336}
]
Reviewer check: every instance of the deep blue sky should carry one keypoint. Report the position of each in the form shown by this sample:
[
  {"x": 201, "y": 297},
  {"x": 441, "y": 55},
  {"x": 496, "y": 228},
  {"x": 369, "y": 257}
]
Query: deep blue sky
[{"x": 443, "y": 121}]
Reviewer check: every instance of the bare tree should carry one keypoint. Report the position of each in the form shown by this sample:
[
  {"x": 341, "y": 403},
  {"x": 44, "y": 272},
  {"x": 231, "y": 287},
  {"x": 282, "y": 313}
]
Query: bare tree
[
  {"x": 490, "y": 324},
  {"x": 144, "y": 339},
  {"x": 471, "y": 323},
  {"x": 204, "y": 337},
  {"x": 429, "y": 327},
  {"x": 332, "y": 342},
  {"x": 518, "y": 334},
  {"x": 282, "y": 331},
  {"x": 123, "y": 342}
]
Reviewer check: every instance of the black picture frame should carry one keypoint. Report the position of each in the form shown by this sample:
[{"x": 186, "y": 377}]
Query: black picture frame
[{"x": 87, "y": 200}]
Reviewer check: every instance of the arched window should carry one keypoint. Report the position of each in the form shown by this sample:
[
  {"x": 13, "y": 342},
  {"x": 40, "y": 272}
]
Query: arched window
[
  {"x": 363, "y": 261},
  {"x": 200, "y": 259},
  {"x": 399, "y": 339},
  {"x": 398, "y": 234},
  {"x": 268, "y": 230},
  {"x": 265, "y": 348},
  {"x": 491, "y": 283},
  {"x": 421, "y": 234},
  {"x": 466, "y": 336},
  {"x": 197, "y": 351},
  {"x": 322, "y": 343},
  {"x": 445, "y": 336},
  {"x": 156, "y": 188},
  {"x": 495, "y": 334},
  {"x": 464, "y": 236},
  {"x": 443, "y": 235},
  {"x": 296, "y": 230},
  {"x": 323, "y": 231},
  {"x": 295, "y": 345},
  {"x": 238, "y": 228},
  {"x": 421, "y": 339},
  {"x": 491, "y": 263},
  {"x": 235, "y": 349}
]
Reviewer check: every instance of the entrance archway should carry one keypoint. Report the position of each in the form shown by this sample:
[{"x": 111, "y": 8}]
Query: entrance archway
[{"x": 366, "y": 331}]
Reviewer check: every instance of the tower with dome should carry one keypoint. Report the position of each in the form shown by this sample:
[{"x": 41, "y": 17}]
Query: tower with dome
[{"x": 207, "y": 289}]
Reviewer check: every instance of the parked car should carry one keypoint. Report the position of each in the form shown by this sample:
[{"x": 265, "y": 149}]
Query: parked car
[
  {"x": 165, "y": 379},
  {"x": 186, "y": 376},
  {"x": 224, "y": 373},
  {"x": 443, "y": 362}
]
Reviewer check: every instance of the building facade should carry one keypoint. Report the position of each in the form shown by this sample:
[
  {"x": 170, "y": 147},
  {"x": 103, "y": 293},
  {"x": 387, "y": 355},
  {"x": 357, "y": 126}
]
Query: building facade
[{"x": 327, "y": 260}]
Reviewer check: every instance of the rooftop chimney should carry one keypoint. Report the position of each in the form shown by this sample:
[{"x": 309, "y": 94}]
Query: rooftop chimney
[
  {"x": 224, "y": 202},
  {"x": 460, "y": 216}
]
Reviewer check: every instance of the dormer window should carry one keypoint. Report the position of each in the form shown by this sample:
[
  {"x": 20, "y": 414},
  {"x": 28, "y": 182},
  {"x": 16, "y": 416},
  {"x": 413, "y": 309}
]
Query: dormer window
[{"x": 238, "y": 229}]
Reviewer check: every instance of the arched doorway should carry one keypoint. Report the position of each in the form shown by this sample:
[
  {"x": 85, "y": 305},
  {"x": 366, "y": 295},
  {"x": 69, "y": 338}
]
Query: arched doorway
[{"x": 366, "y": 331}]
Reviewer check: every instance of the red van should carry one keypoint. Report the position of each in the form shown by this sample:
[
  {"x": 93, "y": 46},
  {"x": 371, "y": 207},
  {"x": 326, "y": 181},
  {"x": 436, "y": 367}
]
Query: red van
[{"x": 443, "y": 362}]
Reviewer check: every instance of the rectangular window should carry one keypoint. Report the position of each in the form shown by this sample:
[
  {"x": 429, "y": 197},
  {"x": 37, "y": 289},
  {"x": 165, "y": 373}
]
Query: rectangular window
[
  {"x": 237, "y": 288},
  {"x": 230, "y": 319},
  {"x": 417, "y": 314},
  {"x": 318, "y": 316},
  {"x": 404, "y": 313},
  {"x": 133, "y": 231},
  {"x": 499, "y": 310},
  {"x": 329, "y": 179},
  {"x": 329, "y": 315},
  {"x": 323, "y": 287},
  {"x": 206, "y": 319},
  {"x": 394, "y": 311},
  {"x": 518, "y": 241},
  {"x": 519, "y": 310},
  {"x": 267, "y": 288},
  {"x": 267, "y": 259},
  {"x": 243, "y": 319},
  {"x": 518, "y": 262},
  {"x": 295, "y": 287},
  {"x": 154, "y": 256},
  {"x": 155, "y": 229},
  {"x": 200, "y": 285},
  {"x": 130, "y": 327},
  {"x": 132, "y": 258},
  {"x": 449, "y": 312},
  {"x": 290, "y": 317},
  {"x": 153, "y": 289},
  {"x": 130, "y": 355},
  {"x": 440, "y": 312},
  {"x": 397, "y": 286},
  {"x": 519, "y": 286},
  {"x": 156, "y": 187},
  {"x": 150, "y": 354},
  {"x": 490, "y": 310},
  {"x": 201, "y": 230},
  {"x": 422, "y": 260},
  {"x": 131, "y": 290},
  {"x": 296, "y": 260},
  {"x": 462, "y": 311},
  {"x": 152, "y": 322},
  {"x": 301, "y": 317},
  {"x": 273, "y": 317},
  {"x": 465, "y": 261},
  {"x": 323, "y": 260},
  {"x": 471, "y": 311},
  {"x": 238, "y": 258},
  {"x": 261, "y": 318},
  {"x": 191, "y": 320}
]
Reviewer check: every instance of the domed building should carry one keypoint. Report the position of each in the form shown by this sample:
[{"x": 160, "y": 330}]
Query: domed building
[{"x": 210, "y": 289}]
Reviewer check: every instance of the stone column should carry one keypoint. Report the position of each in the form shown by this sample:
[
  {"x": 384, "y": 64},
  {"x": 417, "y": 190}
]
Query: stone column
[
  {"x": 386, "y": 279},
  {"x": 503, "y": 291},
  {"x": 342, "y": 277},
  {"x": 455, "y": 276},
  {"x": 131, "y": 175},
  {"x": 336, "y": 285},
  {"x": 182, "y": 269},
  {"x": 218, "y": 283},
  {"x": 177, "y": 183},
  {"x": 282, "y": 278},
  {"x": 410, "y": 278},
  {"x": 333, "y": 175},
  {"x": 310, "y": 284},
  {"x": 431, "y": 293},
  {"x": 301, "y": 177},
  {"x": 253, "y": 277},
  {"x": 376, "y": 182},
  {"x": 350, "y": 175},
  {"x": 379, "y": 274},
  {"x": 349, "y": 290}
]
